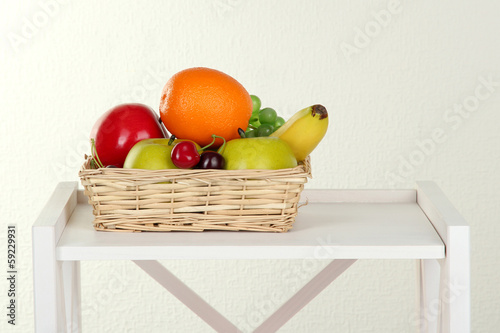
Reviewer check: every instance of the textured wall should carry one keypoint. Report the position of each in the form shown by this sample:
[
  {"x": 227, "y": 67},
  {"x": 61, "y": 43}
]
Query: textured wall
[{"x": 413, "y": 91}]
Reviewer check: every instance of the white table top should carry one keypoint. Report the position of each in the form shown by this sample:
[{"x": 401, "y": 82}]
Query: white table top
[{"x": 392, "y": 230}]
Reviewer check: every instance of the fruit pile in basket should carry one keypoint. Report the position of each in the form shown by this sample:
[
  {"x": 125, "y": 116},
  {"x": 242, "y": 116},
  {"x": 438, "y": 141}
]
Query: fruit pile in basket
[{"x": 214, "y": 124}]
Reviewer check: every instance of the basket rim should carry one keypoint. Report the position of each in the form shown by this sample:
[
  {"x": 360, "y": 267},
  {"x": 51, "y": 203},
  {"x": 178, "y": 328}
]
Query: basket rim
[{"x": 303, "y": 169}]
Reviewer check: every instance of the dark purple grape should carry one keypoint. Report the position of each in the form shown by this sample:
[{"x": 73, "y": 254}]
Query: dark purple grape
[
  {"x": 111, "y": 166},
  {"x": 211, "y": 160}
]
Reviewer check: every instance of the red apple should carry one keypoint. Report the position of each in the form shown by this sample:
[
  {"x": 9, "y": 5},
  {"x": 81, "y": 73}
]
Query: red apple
[{"x": 121, "y": 127}]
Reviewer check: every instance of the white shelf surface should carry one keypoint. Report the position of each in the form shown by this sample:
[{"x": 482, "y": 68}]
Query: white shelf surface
[{"x": 342, "y": 229}]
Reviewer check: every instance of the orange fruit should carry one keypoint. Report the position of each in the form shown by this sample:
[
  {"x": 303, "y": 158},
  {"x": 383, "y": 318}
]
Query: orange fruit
[{"x": 198, "y": 102}]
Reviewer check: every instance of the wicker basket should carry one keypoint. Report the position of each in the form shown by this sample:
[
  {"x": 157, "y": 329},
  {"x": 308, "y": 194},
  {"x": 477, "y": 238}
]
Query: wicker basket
[{"x": 194, "y": 200}]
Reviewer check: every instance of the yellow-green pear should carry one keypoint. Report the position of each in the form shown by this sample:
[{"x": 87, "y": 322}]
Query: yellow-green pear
[
  {"x": 258, "y": 153},
  {"x": 151, "y": 154}
]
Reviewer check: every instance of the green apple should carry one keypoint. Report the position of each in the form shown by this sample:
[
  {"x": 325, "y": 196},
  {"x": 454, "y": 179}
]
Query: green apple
[
  {"x": 151, "y": 154},
  {"x": 258, "y": 153}
]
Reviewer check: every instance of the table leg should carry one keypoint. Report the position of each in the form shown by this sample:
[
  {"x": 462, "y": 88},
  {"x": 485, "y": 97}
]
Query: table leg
[
  {"x": 455, "y": 283},
  {"x": 57, "y": 297},
  {"x": 445, "y": 294},
  {"x": 429, "y": 279},
  {"x": 47, "y": 281},
  {"x": 454, "y": 277},
  {"x": 50, "y": 277},
  {"x": 70, "y": 271}
]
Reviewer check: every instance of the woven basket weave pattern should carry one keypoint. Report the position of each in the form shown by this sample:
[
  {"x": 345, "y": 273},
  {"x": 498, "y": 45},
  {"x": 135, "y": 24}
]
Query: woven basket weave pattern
[{"x": 194, "y": 199}]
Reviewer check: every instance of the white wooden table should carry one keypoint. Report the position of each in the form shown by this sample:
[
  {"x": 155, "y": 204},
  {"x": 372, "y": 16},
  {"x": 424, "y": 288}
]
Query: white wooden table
[{"x": 342, "y": 225}]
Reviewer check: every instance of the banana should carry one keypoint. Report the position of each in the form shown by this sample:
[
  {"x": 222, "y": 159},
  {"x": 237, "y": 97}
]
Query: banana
[{"x": 304, "y": 130}]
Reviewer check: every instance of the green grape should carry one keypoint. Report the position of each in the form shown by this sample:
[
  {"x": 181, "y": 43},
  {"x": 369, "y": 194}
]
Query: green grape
[
  {"x": 254, "y": 119},
  {"x": 279, "y": 122},
  {"x": 265, "y": 130},
  {"x": 256, "y": 103},
  {"x": 251, "y": 133},
  {"x": 267, "y": 116}
]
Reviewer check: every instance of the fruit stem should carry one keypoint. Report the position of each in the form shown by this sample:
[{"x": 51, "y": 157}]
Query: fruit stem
[
  {"x": 172, "y": 138},
  {"x": 319, "y": 110},
  {"x": 95, "y": 156},
  {"x": 221, "y": 148},
  {"x": 213, "y": 141},
  {"x": 242, "y": 134}
]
